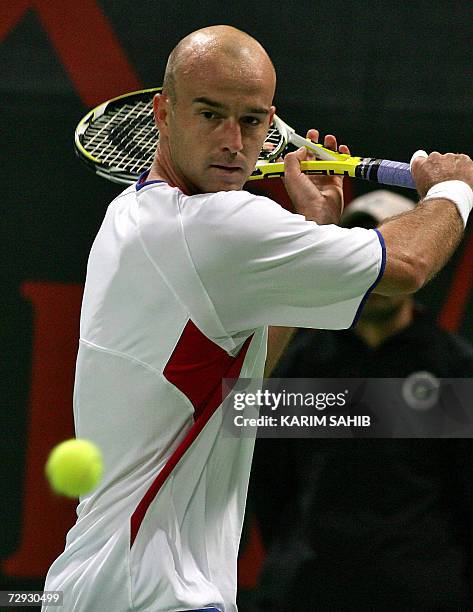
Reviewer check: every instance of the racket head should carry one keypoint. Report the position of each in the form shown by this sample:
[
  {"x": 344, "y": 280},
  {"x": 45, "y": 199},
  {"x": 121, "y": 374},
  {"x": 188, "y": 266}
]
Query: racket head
[{"x": 118, "y": 138}]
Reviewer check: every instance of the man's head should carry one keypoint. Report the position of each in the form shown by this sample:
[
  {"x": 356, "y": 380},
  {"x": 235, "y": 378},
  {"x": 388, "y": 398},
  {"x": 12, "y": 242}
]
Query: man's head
[
  {"x": 215, "y": 109},
  {"x": 369, "y": 211}
]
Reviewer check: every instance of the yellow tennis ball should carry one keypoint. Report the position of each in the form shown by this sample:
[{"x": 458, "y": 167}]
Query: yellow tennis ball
[{"x": 74, "y": 467}]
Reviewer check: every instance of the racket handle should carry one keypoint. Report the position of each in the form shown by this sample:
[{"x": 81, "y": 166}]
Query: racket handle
[{"x": 386, "y": 172}]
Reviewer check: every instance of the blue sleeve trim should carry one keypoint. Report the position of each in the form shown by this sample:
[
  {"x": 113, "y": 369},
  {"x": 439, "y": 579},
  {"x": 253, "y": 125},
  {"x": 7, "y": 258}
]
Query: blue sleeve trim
[
  {"x": 378, "y": 278},
  {"x": 142, "y": 182}
]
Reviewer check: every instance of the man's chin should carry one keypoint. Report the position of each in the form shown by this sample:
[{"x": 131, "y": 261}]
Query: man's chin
[
  {"x": 212, "y": 186},
  {"x": 221, "y": 179}
]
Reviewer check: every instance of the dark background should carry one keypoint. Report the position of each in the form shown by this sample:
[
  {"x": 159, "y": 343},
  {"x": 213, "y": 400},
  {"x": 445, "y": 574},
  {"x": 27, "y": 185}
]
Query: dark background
[{"x": 387, "y": 78}]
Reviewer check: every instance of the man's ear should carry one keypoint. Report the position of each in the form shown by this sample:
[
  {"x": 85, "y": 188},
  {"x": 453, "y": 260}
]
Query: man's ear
[
  {"x": 272, "y": 112},
  {"x": 161, "y": 109}
]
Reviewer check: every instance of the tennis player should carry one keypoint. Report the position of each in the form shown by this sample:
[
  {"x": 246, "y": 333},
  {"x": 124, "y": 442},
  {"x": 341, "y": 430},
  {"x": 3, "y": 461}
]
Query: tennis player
[{"x": 183, "y": 278}]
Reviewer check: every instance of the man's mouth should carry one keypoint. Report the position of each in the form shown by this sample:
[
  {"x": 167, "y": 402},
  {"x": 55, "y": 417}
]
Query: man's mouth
[{"x": 231, "y": 169}]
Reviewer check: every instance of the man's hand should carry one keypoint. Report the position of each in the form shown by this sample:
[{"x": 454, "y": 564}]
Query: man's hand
[
  {"x": 318, "y": 198},
  {"x": 436, "y": 168},
  {"x": 420, "y": 242}
]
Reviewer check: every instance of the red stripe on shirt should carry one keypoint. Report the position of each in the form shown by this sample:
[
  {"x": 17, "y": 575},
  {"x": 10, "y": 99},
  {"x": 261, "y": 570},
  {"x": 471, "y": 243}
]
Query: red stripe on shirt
[{"x": 196, "y": 367}]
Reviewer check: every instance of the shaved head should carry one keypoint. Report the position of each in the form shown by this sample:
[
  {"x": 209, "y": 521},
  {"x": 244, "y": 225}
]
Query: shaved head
[
  {"x": 214, "y": 110},
  {"x": 216, "y": 46}
]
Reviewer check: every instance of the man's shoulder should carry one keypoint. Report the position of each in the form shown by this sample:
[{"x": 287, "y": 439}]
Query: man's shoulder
[
  {"x": 233, "y": 214},
  {"x": 126, "y": 194},
  {"x": 223, "y": 200},
  {"x": 218, "y": 203}
]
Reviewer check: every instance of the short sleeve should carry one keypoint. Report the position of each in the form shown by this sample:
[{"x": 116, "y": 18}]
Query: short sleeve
[{"x": 262, "y": 265}]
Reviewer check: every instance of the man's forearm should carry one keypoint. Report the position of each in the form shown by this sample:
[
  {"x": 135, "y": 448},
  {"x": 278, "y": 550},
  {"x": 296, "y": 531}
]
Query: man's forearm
[
  {"x": 324, "y": 213},
  {"x": 418, "y": 244}
]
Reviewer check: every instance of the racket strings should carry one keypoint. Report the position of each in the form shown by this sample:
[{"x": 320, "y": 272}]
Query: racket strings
[
  {"x": 124, "y": 138},
  {"x": 274, "y": 145}
]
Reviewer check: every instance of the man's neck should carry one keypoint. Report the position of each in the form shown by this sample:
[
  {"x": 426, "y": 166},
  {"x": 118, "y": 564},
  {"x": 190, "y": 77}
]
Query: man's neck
[
  {"x": 162, "y": 170},
  {"x": 375, "y": 331}
]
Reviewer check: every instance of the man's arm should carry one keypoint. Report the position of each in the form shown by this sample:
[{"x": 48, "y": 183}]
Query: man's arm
[{"x": 419, "y": 243}]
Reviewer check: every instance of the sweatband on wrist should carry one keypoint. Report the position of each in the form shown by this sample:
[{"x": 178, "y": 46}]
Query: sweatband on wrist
[{"x": 458, "y": 192}]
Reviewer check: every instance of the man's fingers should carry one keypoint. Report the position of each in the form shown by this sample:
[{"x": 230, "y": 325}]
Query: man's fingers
[
  {"x": 313, "y": 135},
  {"x": 292, "y": 161},
  {"x": 430, "y": 170},
  {"x": 330, "y": 142},
  {"x": 416, "y": 159}
]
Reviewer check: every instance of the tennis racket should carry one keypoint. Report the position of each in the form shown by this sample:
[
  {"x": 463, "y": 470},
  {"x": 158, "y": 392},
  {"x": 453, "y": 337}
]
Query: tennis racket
[{"x": 118, "y": 138}]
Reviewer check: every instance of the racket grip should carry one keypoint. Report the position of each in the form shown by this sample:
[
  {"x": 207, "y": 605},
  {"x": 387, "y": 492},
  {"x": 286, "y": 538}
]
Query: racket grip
[{"x": 394, "y": 173}]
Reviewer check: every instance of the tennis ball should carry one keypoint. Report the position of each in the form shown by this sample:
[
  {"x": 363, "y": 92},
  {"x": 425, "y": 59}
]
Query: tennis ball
[{"x": 74, "y": 467}]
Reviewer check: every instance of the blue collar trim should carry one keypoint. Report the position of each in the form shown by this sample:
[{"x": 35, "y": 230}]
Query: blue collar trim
[{"x": 142, "y": 182}]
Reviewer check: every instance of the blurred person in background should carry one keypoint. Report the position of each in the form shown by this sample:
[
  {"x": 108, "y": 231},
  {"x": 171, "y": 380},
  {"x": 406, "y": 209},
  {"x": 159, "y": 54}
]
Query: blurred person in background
[{"x": 358, "y": 524}]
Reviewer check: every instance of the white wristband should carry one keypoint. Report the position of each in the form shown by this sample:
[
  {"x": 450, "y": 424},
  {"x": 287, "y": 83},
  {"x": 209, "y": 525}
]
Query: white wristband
[{"x": 458, "y": 192}]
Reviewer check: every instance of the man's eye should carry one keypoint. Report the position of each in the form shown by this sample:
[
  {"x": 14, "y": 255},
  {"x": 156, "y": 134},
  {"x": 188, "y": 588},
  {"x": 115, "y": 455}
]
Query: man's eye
[
  {"x": 251, "y": 121},
  {"x": 208, "y": 114}
]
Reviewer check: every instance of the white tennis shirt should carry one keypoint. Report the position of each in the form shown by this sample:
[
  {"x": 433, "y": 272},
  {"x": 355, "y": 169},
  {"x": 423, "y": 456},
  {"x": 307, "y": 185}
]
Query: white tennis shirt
[{"x": 178, "y": 295}]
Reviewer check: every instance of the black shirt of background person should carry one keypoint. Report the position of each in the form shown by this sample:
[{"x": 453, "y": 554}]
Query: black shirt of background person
[{"x": 367, "y": 524}]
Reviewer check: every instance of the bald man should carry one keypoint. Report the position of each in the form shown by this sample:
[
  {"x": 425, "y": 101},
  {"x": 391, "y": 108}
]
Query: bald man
[{"x": 185, "y": 275}]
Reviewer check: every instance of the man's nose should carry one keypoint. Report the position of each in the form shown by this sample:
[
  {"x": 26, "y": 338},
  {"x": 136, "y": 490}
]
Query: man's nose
[{"x": 232, "y": 138}]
